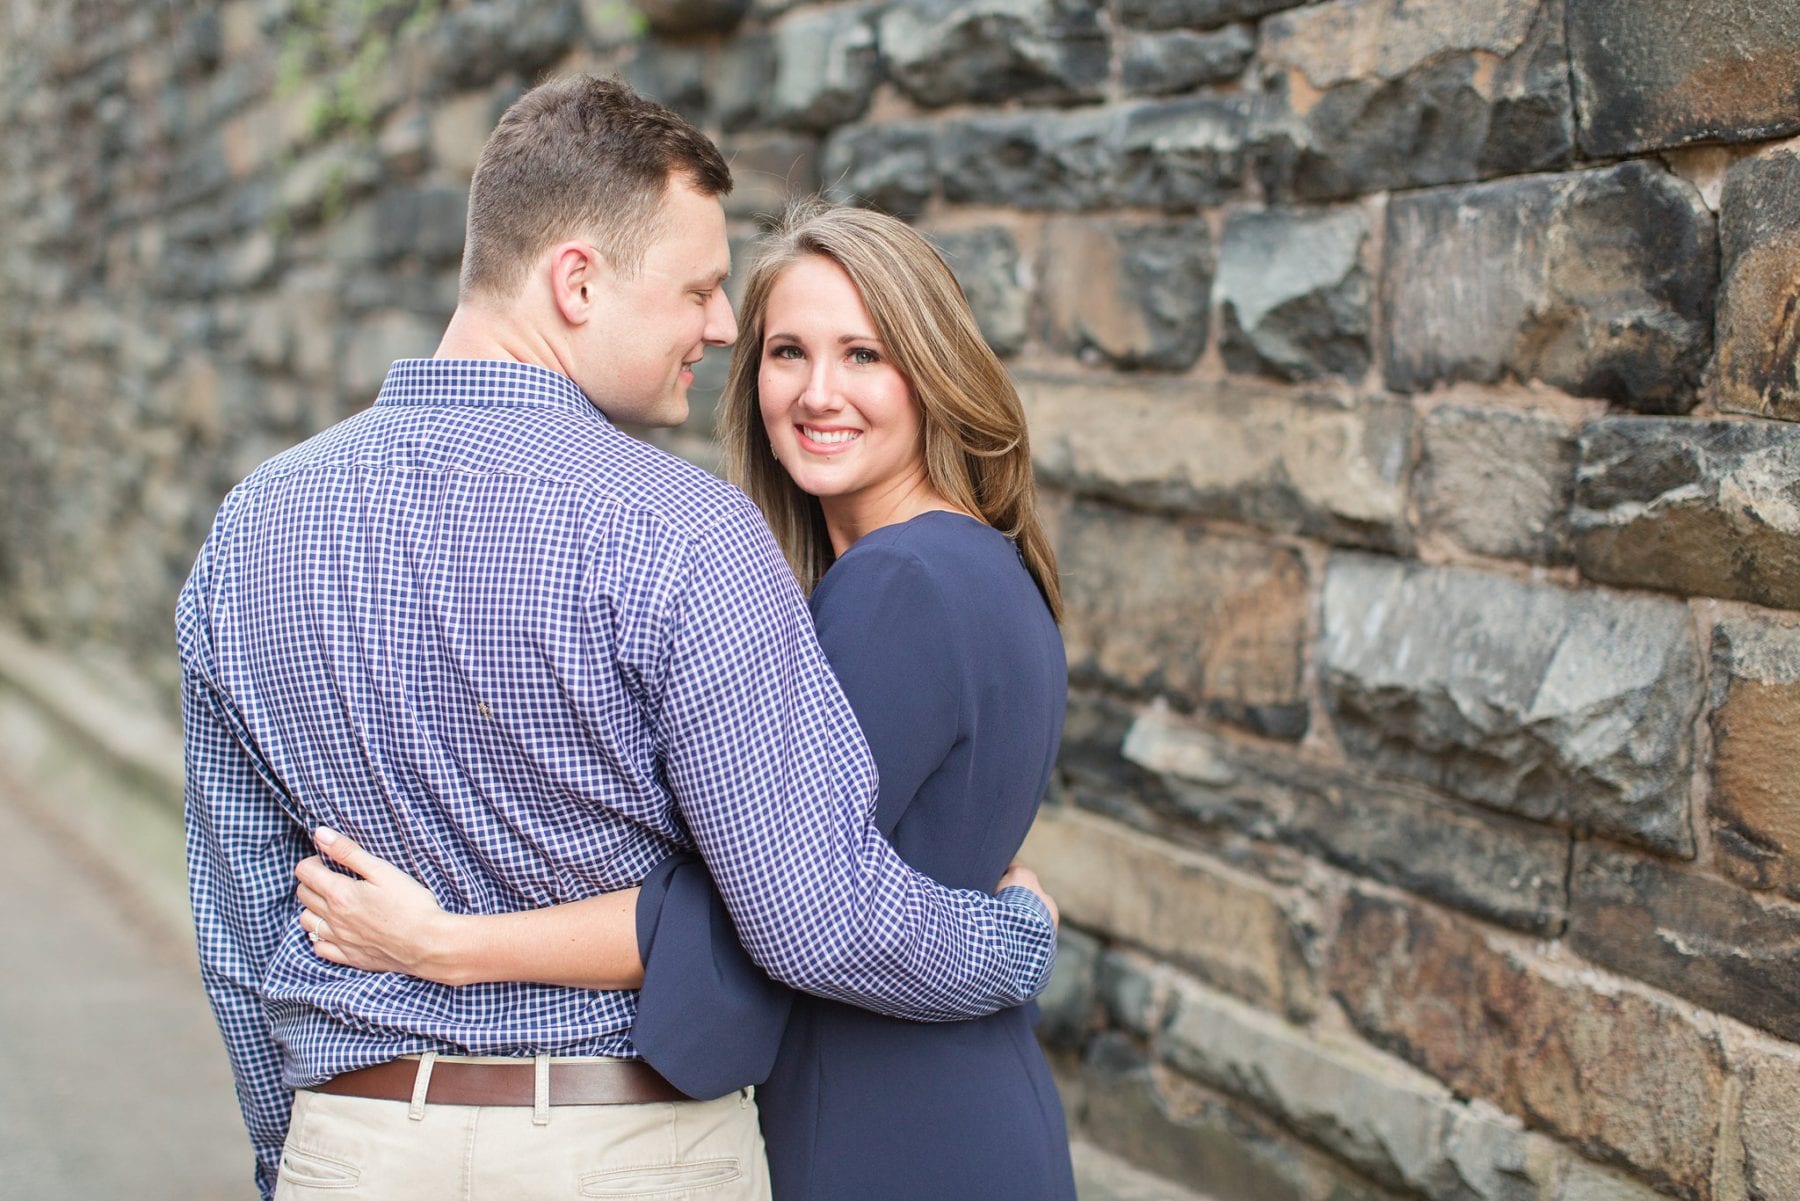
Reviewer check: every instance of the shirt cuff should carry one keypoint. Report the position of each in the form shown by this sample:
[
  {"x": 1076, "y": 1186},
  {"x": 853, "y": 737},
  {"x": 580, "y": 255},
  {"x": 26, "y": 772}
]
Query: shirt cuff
[{"x": 1033, "y": 939}]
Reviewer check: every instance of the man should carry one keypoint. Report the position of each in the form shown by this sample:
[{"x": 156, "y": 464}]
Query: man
[{"x": 526, "y": 657}]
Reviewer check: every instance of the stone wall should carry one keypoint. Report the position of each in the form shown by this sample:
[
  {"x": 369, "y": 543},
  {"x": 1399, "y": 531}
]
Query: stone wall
[{"x": 1414, "y": 384}]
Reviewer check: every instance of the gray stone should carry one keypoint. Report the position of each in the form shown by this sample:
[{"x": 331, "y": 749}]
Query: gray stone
[
  {"x": 1758, "y": 365},
  {"x": 1503, "y": 869},
  {"x": 1366, "y": 95},
  {"x": 1158, "y": 608},
  {"x": 1158, "y": 64},
  {"x": 673, "y": 74},
  {"x": 825, "y": 68},
  {"x": 1700, "y": 938},
  {"x": 1661, "y": 73},
  {"x": 1067, "y": 1005},
  {"x": 741, "y": 79},
  {"x": 1032, "y": 160},
  {"x": 1131, "y": 295},
  {"x": 1570, "y": 707},
  {"x": 1129, "y": 988},
  {"x": 474, "y": 45},
  {"x": 1195, "y": 14},
  {"x": 1497, "y": 481},
  {"x": 769, "y": 169},
  {"x": 423, "y": 224},
  {"x": 1378, "y": 1114},
  {"x": 1183, "y": 155},
  {"x": 979, "y": 51},
  {"x": 693, "y": 16},
  {"x": 1702, "y": 508},
  {"x": 1628, "y": 319},
  {"x": 1771, "y": 1078},
  {"x": 1280, "y": 460},
  {"x": 888, "y": 167},
  {"x": 1755, "y": 721},
  {"x": 987, "y": 264},
  {"x": 1293, "y": 294}
]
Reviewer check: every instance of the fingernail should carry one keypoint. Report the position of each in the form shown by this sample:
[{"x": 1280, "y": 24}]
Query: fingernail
[{"x": 325, "y": 836}]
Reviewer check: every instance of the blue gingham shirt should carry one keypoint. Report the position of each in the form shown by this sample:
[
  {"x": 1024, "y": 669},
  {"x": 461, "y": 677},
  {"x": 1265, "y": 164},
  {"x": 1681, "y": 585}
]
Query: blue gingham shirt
[{"x": 526, "y": 656}]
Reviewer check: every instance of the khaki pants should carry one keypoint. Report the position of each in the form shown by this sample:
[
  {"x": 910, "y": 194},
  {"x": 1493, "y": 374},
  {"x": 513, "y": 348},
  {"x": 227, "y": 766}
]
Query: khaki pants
[{"x": 355, "y": 1147}]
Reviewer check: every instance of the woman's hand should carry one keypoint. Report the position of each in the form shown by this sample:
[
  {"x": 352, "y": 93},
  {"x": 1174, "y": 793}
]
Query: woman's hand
[
  {"x": 1017, "y": 873},
  {"x": 383, "y": 922}
]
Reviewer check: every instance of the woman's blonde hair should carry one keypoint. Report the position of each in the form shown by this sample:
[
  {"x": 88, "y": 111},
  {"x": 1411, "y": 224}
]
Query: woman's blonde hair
[{"x": 977, "y": 453}]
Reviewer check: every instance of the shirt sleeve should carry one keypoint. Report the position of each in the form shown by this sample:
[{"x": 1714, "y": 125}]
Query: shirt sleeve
[
  {"x": 241, "y": 849},
  {"x": 775, "y": 781}
]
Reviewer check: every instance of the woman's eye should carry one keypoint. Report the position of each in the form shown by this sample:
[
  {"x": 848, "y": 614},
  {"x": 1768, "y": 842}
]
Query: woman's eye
[
  {"x": 863, "y": 356},
  {"x": 785, "y": 352}
]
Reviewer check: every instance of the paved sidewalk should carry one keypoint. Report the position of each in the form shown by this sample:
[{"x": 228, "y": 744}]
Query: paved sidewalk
[{"x": 114, "y": 1081}]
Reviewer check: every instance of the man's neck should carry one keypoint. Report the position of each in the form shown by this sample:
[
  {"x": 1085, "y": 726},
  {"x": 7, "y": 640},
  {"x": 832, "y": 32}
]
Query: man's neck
[{"x": 477, "y": 332}]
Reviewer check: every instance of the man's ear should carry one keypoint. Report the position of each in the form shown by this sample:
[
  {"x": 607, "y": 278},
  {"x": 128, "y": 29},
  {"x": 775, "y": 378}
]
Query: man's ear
[{"x": 577, "y": 273}]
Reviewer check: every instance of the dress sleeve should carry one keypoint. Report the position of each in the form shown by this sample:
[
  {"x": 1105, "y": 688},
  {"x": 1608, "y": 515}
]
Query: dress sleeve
[
  {"x": 770, "y": 771},
  {"x": 888, "y": 633}
]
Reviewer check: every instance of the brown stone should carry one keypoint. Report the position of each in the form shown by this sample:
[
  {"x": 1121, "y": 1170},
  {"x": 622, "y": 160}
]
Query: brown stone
[
  {"x": 1232, "y": 930},
  {"x": 1276, "y": 458},
  {"x": 1696, "y": 936},
  {"x": 1771, "y": 1076},
  {"x": 1130, "y": 295},
  {"x": 1756, "y": 737},
  {"x": 1624, "y": 1076},
  {"x": 1161, "y": 607},
  {"x": 1758, "y": 365}
]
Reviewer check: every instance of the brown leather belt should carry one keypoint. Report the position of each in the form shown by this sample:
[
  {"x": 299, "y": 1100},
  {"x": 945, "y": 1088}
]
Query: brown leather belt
[{"x": 457, "y": 1082}]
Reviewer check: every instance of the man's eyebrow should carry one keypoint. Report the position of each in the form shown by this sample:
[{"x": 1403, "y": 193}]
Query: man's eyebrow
[{"x": 715, "y": 280}]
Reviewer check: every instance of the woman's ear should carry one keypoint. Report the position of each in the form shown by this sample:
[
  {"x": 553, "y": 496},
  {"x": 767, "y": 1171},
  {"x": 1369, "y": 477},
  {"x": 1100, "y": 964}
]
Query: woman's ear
[{"x": 575, "y": 279}]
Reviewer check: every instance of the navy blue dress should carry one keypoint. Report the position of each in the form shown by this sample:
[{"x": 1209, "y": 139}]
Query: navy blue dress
[{"x": 955, "y": 669}]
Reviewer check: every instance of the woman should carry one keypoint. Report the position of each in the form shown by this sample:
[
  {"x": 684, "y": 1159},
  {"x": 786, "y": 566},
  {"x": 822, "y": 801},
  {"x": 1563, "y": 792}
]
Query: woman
[{"x": 887, "y": 447}]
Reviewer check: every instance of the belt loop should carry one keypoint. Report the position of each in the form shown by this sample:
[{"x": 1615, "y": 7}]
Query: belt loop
[
  {"x": 422, "y": 1085},
  {"x": 540, "y": 1106}
]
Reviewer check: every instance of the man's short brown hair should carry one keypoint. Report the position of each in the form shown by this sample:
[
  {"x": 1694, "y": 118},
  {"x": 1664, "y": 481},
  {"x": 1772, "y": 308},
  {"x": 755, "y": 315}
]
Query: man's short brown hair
[{"x": 578, "y": 156}]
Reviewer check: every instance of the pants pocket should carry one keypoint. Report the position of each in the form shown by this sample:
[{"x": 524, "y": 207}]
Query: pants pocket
[
  {"x": 660, "y": 1180},
  {"x": 310, "y": 1170}
]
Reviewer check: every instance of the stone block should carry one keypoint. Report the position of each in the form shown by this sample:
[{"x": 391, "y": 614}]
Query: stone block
[
  {"x": 1067, "y": 1006},
  {"x": 1184, "y": 155},
  {"x": 742, "y": 75},
  {"x": 768, "y": 170},
  {"x": 1503, "y": 869},
  {"x": 676, "y": 74},
  {"x": 473, "y": 45},
  {"x": 1697, "y": 937},
  {"x": 1161, "y": 63},
  {"x": 1228, "y": 928},
  {"x": 1129, "y": 295},
  {"x": 1195, "y": 14},
  {"x": 1367, "y": 95},
  {"x": 1212, "y": 622},
  {"x": 460, "y": 125},
  {"x": 693, "y": 16},
  {"x": 423, "y": 224},
  {"x": 1031, "y": 160},
  {"x": 987, "y": 264},
  {"x": 1403, "y": 1129},
  {"x": 1755, "y": 798},
  {"x": 1771, "y": 1076},
  {"x": 1662, "y": 73},
  {"x": 376, "y": 342},
  {"x": 826, "y": 66},
  {"x": 888, "y": 167},
  {"x": 1705, "y": 508},
  {"x": 1185, "y": 1133},
  {"x": 1131, "y": 991},
  {"x": 980, "y": 51},
  {"x": 1477, "y": 285},
  {"x": 1273, "y": 458},
  {"x": 1293, "y": 294},
  {"x": 1758, "y": 365},
  {"x": 1562, "y": 706},
  {"x": 1497, "y": 481},
  {"x": 1619, "y": 1074}
]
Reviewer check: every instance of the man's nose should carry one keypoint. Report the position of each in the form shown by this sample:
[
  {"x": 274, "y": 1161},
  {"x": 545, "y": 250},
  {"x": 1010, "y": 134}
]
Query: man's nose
[{"x": 721, "y": 322}]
